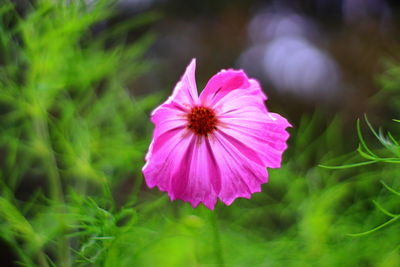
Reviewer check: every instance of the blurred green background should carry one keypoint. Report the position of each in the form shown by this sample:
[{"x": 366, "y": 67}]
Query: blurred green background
[{"x": 79, "y": 79}]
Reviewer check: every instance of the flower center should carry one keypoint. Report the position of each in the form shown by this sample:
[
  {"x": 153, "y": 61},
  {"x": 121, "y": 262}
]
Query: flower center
[{"x": 202, "y": 120}]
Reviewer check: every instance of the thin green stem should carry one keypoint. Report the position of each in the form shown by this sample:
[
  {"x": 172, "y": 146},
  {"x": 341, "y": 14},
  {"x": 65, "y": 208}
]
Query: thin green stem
[
  {"x": 42, "y": 259},
  {"x": 376, "y": 228},
  {"x": 55, "y": 188},
  {"x": 217, "y": 240}
]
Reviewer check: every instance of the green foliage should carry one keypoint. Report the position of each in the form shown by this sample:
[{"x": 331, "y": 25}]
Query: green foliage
[
  {"x": 391, "y": 148},
  {"x": 68, "y": 123},
  {"x": 73, "y": 140}
]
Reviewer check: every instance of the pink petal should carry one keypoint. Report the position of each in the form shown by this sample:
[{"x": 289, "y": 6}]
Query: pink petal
[
  {"x": 249, "y": 97},
  {"x": 221, "y": 84},
  {"x": 241, "y": 176},
  {"x": 185, "y": 91},
  {"x": 164, "y": 151},
  {"x": 196, "y": 178},
  {"x": 263, "y": 134},
  {"x": 185, "y": 94},
  {"x": 172, "y": 113},
  {"x": 184, "y": 167},
  {"x": 166, "y": 119},
  {"x": 257, "y": 133}
]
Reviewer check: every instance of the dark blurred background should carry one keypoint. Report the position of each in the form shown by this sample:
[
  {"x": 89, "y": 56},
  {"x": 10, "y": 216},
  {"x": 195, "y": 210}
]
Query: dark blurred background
[{"x": 307, "y": 54}]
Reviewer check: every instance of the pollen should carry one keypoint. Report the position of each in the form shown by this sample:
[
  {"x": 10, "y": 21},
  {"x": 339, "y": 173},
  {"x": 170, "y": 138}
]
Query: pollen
[{"x": 202, "y": 120}]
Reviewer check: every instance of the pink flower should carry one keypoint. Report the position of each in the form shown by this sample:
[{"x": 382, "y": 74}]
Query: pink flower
[{"x": 216, "y": 145}]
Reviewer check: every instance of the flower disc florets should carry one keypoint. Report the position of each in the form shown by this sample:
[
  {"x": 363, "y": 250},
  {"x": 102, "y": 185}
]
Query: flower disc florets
[{"x": 202, "y": 120}]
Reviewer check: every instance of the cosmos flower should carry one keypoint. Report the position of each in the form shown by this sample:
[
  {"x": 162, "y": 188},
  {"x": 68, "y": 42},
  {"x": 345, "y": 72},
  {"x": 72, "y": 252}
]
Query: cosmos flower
[{"x": 216, "y": 145}]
